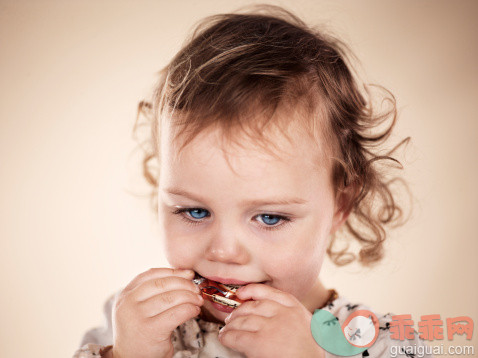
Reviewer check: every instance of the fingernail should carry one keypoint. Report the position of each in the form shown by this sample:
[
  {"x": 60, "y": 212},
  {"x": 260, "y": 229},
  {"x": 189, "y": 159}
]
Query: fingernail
[
  {"x": 228, "y": 318},
  {"x": 190, "y": 274}
]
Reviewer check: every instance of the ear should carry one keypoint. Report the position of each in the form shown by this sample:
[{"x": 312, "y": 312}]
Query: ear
[{"x": 343, "y": 207}]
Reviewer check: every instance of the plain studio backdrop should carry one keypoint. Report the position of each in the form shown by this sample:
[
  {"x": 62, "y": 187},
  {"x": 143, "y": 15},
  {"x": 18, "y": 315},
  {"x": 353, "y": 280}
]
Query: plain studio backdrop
[{"x": 71, "y": 232}]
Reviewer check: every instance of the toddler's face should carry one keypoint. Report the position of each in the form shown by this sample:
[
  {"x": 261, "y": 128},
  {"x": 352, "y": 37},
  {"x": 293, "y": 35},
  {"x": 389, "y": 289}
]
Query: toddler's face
[{"x": 266, "y": 219}]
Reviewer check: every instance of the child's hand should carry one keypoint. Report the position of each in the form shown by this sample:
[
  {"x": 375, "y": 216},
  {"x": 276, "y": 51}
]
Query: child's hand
[
  {"x": 149, "y": 309},
  {"x": 275, "y": 324}
]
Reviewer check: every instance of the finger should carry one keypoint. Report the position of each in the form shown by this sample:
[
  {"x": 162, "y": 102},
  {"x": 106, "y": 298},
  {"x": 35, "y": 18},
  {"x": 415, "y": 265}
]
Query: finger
[
  {"x": 158, "y": 273},
  {"x": 237, "y": 340},
  {"x": 156, "y": 286},
  {"x": 168, "y": 320},
  {"x": 264, "y": 292},
  {"x": 249, "y": 323},
  {"x": 265, "y": 308},
  {"x": 166, "y": 300}
]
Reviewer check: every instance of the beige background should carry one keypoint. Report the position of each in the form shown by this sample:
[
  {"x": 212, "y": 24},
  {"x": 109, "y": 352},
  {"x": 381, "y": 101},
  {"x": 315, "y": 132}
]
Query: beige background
[{"x": 71, "y": 75}]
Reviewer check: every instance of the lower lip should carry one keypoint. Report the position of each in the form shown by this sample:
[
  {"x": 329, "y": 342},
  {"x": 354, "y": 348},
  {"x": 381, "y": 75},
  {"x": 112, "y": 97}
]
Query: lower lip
[{"x": 222, "y": 308}]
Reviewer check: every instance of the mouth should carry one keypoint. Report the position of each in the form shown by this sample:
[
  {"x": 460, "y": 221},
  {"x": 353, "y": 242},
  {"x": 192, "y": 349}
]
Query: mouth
[{"x": 220, "y": 291}]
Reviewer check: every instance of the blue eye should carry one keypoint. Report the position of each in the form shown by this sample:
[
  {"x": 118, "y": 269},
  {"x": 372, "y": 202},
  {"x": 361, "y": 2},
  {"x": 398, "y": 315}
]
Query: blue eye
[
  {"x": 192, "y": 216},
  {"x": 197, "y": 213},
  {"x": 270, "y": 219}
]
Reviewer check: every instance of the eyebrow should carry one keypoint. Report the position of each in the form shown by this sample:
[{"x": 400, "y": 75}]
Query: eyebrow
[{"x": 253, "y": 202}]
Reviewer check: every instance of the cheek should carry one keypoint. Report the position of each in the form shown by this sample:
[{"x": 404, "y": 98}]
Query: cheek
[
  {"x": 295, "y": 271},
  {"x": 177, "y": 253},
  {"x": 181, "y": 248},
  {"x": 295, "y": 265}
]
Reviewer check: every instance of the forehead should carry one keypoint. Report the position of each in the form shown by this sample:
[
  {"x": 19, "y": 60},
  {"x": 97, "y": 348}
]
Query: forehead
[
  {"x": 274, "y": 143},
  {"x": 242, "y": 163},
  {"x": 288, "y": 133}
]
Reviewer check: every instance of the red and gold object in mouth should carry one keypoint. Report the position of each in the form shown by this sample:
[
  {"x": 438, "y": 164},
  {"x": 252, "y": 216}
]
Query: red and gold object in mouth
[{"x": 221, "y": 293}]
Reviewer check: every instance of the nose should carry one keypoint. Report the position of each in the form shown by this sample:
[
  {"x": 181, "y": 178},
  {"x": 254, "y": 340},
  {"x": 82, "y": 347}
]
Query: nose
[{"x": 225, "y": 246}]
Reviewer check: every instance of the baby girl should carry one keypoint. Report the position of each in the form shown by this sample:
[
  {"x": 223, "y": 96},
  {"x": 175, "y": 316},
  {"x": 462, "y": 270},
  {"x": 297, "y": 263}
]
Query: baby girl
[{"x": 266, "y": 148}]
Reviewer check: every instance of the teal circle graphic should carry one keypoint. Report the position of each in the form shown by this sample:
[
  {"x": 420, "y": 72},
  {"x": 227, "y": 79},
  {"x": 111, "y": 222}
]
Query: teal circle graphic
[{"x": 361, "y": 328}]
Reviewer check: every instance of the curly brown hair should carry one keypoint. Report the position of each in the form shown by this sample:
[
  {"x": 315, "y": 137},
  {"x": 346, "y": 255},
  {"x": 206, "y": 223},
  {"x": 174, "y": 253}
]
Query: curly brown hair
[{"x": 253, "y": 62}]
